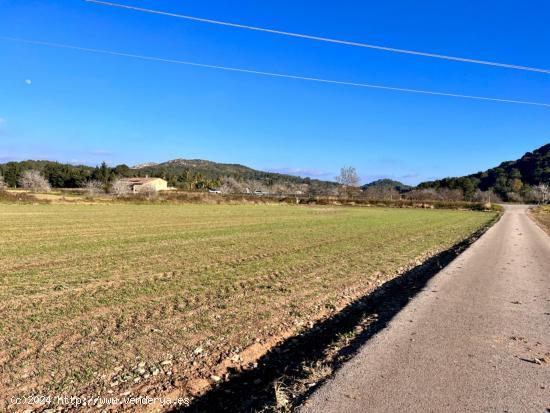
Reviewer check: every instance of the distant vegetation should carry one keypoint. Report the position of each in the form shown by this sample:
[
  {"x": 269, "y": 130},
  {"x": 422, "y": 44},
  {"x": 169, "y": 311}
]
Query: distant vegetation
[
  {"x": 524, "y": 180},
  {"x": 385, "y": 189},
  {"x": 180, "y": 173},
  {"x": 510, "y": 181}
]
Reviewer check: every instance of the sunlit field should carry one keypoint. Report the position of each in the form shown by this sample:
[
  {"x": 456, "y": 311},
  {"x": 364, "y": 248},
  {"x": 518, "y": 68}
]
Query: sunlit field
[{"x": 116, "y": 297}]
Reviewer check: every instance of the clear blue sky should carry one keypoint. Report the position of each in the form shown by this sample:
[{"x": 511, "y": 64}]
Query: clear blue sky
[{"x": 85, "y": 108}]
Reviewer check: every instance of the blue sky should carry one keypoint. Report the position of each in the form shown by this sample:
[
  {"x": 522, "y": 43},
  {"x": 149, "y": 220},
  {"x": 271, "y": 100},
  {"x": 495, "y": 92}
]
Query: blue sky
[{"x": 79, "y": 107}]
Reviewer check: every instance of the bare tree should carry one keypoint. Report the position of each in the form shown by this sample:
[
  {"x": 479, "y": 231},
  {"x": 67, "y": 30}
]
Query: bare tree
[
  {"x": 486, "y": 196},
  {"x": 93, "y": 187},
  {"x": 2, "y": 183},
  {"x": 447, "y": 194},
  {"x": 514, "y": 197},
  {"x": 230, "y": 185},
  {"x": 440, "y": 194},
  {"x": 348, "y": 177},
  {"x": 349, "y": 180},
  {"x": 120, "y": 188},
  {"x": 35, "y": 181},
  {"x": 280, "y": 189},
  {"x": 428, "y": 194},
  {"x": 381, "y": 193},
  {"x": 543, "y": 192},
  {"x": 288, "y": 188}
]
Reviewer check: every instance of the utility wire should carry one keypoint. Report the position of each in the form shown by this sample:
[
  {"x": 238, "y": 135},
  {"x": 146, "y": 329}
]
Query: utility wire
[
  {"x": 272, "y": 74},
  {"x": 325, "y": 39}
]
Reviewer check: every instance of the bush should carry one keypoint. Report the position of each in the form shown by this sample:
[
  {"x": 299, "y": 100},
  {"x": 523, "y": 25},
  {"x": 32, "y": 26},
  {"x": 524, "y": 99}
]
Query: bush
[
  {"x": 148, "y": 191},
  {"x": 20, "y": 198},
  {"x": 430, "y": 194}
]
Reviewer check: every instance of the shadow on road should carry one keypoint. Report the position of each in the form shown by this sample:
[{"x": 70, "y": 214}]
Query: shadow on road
[{"x": 253, "y": 390}]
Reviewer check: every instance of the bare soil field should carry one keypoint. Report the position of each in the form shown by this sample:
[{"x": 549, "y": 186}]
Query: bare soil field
[{"x": 118, "y": 299}]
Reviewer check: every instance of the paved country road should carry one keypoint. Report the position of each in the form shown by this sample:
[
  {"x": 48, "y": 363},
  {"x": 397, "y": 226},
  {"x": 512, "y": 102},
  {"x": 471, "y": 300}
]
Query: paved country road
[{"x": 472, "y": 340}]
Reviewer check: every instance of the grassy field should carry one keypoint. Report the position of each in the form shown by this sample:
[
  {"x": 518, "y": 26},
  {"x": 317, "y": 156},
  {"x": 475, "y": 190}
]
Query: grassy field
[{"x": 107, "y": 298}]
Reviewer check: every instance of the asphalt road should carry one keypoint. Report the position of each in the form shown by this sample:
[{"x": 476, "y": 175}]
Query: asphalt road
[{"x": 472, "y": 340}]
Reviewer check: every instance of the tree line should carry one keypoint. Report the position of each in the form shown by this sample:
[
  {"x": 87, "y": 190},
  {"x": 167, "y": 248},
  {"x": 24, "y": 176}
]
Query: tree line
[
  {"x": 60, "y": 175},
  {"x": 102, "y": 178},
  {"x": 520, "y": 180}
]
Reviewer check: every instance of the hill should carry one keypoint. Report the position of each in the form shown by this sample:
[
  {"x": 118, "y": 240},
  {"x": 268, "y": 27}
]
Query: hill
[
  {"x": 511, "y": 180},
  {"x": 212, "y": 170},
  {"x": 213, "y": 174},
  {"x": 387, "y": 184},
  {"x": 181, "y": 173}
]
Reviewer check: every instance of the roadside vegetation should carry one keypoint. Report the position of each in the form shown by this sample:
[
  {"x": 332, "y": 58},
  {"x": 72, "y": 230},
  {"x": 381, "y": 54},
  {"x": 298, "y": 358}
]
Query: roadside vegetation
[
  {"x": 121, "y": 297},
  {"x": 542, "y": 215}
]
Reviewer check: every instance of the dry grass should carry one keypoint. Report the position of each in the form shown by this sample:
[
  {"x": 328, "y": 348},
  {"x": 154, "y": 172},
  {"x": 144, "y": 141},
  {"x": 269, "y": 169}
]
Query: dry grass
[
  {"x": 89, "y": 293},
  {"x": 542, "y": 215}
]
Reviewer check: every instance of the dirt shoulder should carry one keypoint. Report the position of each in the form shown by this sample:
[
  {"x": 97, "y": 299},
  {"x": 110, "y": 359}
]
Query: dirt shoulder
[{"x": 541, "y": 215}]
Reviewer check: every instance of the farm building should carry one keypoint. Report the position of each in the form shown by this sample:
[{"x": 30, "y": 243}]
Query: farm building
[{"x": 137, "y": 185}]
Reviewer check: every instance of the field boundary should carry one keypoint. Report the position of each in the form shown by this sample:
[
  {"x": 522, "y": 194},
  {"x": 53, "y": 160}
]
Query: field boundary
[
  {"x": 289, "y": 372},
  {"x": 167, "y": 197}
]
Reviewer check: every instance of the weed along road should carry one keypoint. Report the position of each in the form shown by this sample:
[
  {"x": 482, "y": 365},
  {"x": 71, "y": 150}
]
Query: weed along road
[{"x": 477, "y": 338}]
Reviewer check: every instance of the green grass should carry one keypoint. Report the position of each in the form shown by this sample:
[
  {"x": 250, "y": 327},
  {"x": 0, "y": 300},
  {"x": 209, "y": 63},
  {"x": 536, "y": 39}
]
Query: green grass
[{"x": 86, "y": 288}]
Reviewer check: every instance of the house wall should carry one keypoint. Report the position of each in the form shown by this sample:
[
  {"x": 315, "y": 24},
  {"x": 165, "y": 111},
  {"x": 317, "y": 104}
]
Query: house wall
[{"x": 158, "y": 184}]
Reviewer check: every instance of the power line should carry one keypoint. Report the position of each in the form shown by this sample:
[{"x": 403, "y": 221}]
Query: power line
[
  {"x": 325, "y": 39},
  {"x": 271, "y": 74}
]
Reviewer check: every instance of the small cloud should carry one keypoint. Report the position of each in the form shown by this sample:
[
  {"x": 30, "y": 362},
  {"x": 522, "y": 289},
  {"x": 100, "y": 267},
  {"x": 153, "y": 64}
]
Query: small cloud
[
  {"x": 28, "y": 81},
  {"x": 101, "y": 152},
  {"x": 316, "y": 173}
]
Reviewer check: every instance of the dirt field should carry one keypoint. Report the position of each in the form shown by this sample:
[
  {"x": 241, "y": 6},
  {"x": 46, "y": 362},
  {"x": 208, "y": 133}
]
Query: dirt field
[{"x": 107, "y": 299}]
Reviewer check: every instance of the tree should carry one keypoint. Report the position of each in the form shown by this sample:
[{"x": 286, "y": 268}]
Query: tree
[
  {"x": 486, "y": 196},
  {"x": 2, "y": 183},
  {"x": 35, "y": 181},
  {"x": 381, "y": 193},
  {"x": 543, "y": 192},
  {"x": 122, "y": 170},
  {"x": 424, "y": 194},
  {"x": 102, "y": 173},
  {"x": 348, "y": 177},
  {"x": 120, "y": 188},
  {"x": 516, "y": 184},
  {"x": 230, "y": 185},
  {"x": 93, "y": 187},
  {"x": 349, "y": 180}
]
